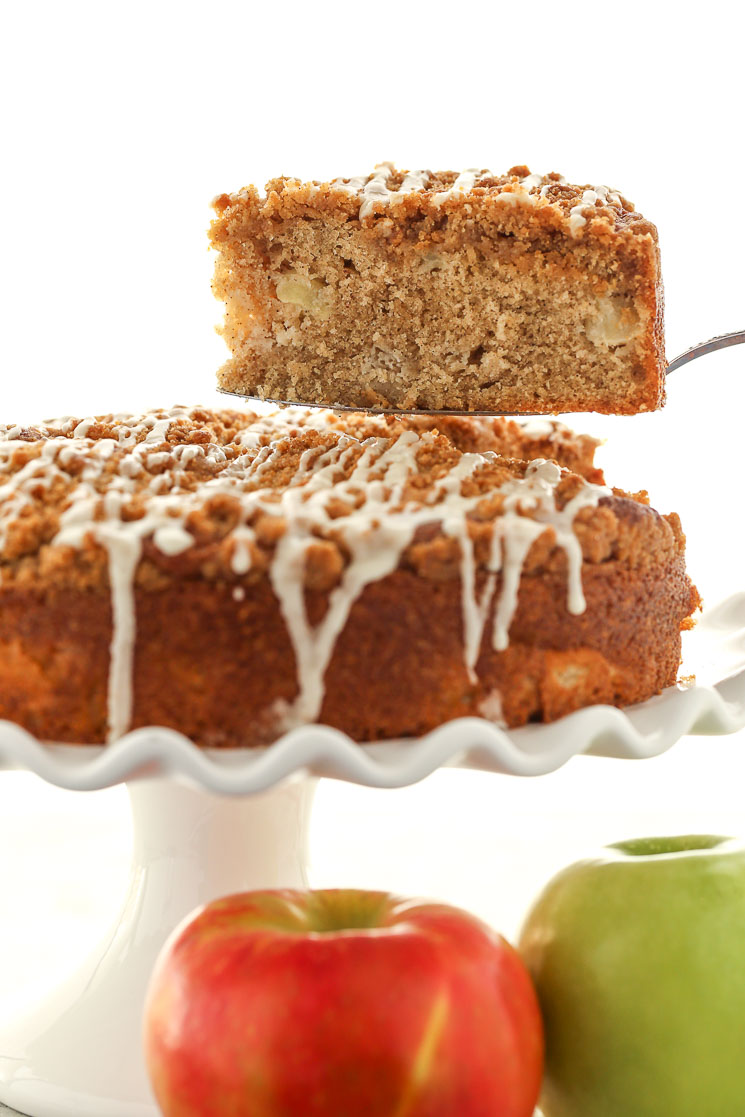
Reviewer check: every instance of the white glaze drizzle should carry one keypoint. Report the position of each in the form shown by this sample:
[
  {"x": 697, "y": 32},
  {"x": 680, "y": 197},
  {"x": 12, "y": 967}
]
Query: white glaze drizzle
[
  {"x": 539, "y": 427},
  {"x": 368, "y": 477},
  {"x": 590, "y": 198},
  {"x": 124, "y": 556},
  {"x": 491, "y": 709},
  {"x": 463, "y": 184},
  {"x": 373, "y": 190},
  {"x": 376, "y": 189},
  {"x": 413, "y": 181}
]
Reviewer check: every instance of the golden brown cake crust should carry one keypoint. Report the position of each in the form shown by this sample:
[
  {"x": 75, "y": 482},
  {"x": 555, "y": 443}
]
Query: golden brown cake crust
[
  {"x": 215, "y": 646},
  {"x": 515, "y": 293},
  {"x": 212, "y": 667}
]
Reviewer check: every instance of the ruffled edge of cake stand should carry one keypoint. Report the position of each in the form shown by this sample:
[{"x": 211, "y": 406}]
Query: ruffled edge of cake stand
[{"x": 716, "y": 648}]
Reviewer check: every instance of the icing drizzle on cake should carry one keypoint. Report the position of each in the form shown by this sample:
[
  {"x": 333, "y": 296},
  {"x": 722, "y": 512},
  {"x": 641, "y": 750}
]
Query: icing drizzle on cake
[
  {"x": 590, "y": 198},
  {"x": 362, "y": 494},
  {"x": 374, "y": 190}
]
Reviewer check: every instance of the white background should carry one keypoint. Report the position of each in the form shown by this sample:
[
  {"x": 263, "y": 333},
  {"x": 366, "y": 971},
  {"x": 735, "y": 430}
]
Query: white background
[{"x": 120, "y": 124}]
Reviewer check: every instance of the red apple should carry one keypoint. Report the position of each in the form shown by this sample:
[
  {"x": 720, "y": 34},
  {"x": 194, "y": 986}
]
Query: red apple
[{"x": 341, "y": 1004}]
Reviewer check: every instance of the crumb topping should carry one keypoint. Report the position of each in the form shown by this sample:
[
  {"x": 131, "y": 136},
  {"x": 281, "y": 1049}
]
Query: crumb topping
[
  {"x": 190, "y": 481},
  {"x": 388, "y": 191}
]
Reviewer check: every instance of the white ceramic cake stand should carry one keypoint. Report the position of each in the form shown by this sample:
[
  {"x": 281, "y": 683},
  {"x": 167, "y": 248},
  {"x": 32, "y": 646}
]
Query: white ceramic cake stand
[{"x": 210, "y": 823}]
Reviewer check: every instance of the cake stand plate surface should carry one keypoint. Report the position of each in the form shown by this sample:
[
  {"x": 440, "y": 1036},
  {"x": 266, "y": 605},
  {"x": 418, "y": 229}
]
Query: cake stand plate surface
[{"x": 207, "y": 823}]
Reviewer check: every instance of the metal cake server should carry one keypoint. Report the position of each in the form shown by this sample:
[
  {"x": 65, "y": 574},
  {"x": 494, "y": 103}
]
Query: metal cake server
[{"x": 722, "y": 341}]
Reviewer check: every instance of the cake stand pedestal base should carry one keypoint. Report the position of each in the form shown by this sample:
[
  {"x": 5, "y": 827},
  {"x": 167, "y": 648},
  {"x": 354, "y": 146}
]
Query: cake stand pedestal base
[{"x": 79, "y": 1054}]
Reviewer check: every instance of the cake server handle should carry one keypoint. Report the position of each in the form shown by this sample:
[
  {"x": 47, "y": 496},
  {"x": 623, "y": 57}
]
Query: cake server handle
[{"x": 704, "y": 347}]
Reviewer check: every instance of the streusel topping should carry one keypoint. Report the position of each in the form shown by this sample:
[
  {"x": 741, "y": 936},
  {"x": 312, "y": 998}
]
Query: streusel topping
[{"x": 386, "y": 190}]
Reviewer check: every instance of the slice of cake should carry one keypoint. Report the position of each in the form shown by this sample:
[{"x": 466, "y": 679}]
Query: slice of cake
[
  {"x": 231, "y": 576},
  {"x": 510, "y": 293}
]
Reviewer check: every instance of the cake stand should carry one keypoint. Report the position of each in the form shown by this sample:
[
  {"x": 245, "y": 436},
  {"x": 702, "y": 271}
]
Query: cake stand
[{"x": 207, "y": 823}]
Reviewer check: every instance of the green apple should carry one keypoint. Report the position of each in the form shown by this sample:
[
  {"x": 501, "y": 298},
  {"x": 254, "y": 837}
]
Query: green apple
[{"x": 638, "y": 957}]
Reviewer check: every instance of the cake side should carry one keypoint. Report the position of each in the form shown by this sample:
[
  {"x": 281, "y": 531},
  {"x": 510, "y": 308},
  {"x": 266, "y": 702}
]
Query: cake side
[
  {"x": 231, "y": 576},
  {"x": 214, "y": 660},
  {"x": 515, "y": 293}
]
